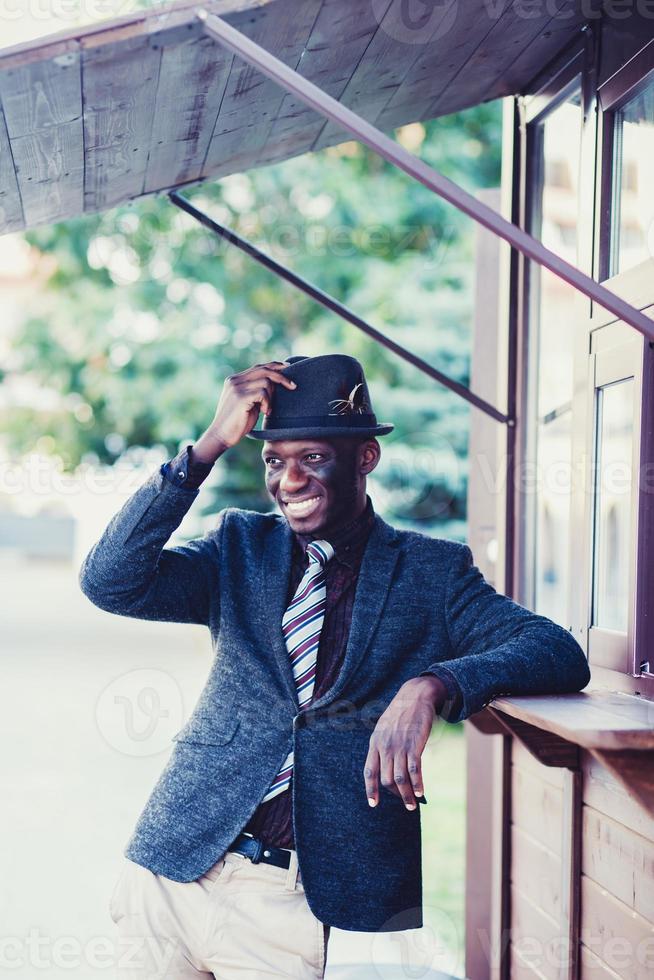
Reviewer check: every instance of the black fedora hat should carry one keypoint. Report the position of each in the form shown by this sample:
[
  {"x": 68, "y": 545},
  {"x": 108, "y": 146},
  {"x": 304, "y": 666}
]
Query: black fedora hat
[{"x": 331, "y": 399}]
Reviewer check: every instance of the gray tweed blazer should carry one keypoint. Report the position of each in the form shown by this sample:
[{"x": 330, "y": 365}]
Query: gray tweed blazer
[{"x": 420, "y": 603}]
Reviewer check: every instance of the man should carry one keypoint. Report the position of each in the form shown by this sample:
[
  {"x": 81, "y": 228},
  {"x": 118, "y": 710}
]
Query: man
[{"x": 289, "y": 802}]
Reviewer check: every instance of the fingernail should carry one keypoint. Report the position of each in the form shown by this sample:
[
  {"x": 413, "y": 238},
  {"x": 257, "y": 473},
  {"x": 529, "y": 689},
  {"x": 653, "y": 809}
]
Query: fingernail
[
  {"x": 371, "y": 801},
  {"x": 294, "y": 383},
  {"x": 410, "y": 806}
]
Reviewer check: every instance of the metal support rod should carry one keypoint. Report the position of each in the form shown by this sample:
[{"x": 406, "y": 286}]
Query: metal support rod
[
  {"x": 382, "y": 144},
  {"x": 333, "y": 304}
]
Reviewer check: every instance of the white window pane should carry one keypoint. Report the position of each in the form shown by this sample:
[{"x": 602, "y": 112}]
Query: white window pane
[
  {"x": 553, "y": 518},
  {"x": 613, "y": 484},
  {"x": 558, "y": 231},
  {"x": 634, "y": 189},
  {"x": 555, "y": 222}
]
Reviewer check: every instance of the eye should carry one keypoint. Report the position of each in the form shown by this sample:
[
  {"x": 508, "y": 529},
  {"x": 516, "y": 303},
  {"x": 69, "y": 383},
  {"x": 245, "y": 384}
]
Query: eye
[{"x": 315, "y": 454}]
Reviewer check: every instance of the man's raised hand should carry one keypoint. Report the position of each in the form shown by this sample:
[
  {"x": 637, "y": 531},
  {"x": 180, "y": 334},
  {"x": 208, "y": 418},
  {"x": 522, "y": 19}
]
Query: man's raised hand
[{"x": 244, "y": 395}]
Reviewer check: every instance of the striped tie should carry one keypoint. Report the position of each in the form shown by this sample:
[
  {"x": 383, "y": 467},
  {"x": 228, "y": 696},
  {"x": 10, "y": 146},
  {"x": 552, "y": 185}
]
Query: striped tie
[{"x": 301, "y": 625}]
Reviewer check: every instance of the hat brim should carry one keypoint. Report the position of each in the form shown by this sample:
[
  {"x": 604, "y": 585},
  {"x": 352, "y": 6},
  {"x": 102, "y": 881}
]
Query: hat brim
[{"x": 321, "y": 432}]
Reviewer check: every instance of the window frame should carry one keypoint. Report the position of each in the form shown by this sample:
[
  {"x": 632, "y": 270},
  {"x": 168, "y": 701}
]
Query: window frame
[
  {"x": 635, "y": 285},
  {"x": 568, "y": 81},
  {"x": 613, "y": 358},
  {"x": 617, "y": 659},
  {"x": 597, "y": 330},
  {"x": 612, "y": 96}
]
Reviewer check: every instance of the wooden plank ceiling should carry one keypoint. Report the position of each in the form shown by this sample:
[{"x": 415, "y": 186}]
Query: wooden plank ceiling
[{"x": 146, "y": 103}]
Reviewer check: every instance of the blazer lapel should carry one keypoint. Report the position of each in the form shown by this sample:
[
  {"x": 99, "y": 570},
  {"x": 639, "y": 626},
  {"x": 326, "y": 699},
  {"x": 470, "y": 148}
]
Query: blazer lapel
[
  {"x": 275, "y": 573},
  {"x": 374, "y": 581}
]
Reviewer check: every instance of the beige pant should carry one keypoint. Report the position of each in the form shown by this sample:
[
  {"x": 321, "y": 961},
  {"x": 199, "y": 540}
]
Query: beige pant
[{"x": 241, "y": 920}]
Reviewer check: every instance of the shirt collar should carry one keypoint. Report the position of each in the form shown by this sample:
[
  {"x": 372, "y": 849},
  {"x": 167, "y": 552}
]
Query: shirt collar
[{"x": 349, "y": 539}]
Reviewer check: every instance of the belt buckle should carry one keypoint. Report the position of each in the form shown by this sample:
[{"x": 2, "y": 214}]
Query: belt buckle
[{"x": 259, "y": 851}]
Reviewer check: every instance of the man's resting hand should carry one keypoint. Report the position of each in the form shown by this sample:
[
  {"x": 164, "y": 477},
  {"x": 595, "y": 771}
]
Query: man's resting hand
[{"x": 398, "y": 740}]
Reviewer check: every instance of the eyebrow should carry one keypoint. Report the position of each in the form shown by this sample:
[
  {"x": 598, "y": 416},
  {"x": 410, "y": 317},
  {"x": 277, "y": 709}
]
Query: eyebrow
[{"x": 304, "y": 449}]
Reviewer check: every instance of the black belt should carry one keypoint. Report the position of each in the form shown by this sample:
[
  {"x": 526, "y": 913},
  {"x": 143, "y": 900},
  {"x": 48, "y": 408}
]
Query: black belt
[{"x": 257, "y": 850}]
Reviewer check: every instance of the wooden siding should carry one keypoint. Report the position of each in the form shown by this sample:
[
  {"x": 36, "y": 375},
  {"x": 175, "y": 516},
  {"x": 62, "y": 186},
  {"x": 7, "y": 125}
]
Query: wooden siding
[
  {"x": 617, "y": 880},
  {"x": 537, "y": 855},
  {"x": 614, "y": 873},
  {"x": 537, "y": 798},
  {"x": 97, "y": 117}
]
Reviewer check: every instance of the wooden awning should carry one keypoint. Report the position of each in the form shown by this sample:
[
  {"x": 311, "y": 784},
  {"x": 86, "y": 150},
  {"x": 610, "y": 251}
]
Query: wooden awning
[{"x": 147, "y": 103}]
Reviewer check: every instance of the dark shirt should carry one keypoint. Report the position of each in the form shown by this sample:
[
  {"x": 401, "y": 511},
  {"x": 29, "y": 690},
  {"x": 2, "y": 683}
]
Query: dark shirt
[{"x": 272, "y": 821}]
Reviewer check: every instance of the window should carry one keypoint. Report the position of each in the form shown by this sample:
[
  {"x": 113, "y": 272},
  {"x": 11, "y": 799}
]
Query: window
[
  {"x": 556, "y": 154},
  {"x": 616, "y": 497},
  {"x": 616, "y": 372},
  {"x": 584, "y": 512},
  {"x": 633, "y": 188},
  {"x": 612, "y": 504}
]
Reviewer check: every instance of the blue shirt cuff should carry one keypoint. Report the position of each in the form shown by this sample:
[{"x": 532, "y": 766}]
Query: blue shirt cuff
[{"x": 185, "y": 471}]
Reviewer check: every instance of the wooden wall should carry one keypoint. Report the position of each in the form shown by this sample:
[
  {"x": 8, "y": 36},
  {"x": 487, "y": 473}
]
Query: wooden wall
[
  {"x": 537, "y": 837},
  {"x": 617, "y": 880},
  {"x": 610, "y": 863}
]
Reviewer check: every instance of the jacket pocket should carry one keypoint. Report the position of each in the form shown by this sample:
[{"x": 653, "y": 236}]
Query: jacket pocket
[
  {"x": 205, "y": 735},
  {"x": 209, "y": 726}
]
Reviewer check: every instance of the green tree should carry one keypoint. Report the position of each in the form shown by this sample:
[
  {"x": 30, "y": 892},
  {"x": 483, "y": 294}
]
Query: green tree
[{"x": 146, "y": 312}]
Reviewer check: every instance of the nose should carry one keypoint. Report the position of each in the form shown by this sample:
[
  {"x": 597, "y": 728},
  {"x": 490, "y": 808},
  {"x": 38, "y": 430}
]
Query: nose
[{"x": 292, "y": 479}]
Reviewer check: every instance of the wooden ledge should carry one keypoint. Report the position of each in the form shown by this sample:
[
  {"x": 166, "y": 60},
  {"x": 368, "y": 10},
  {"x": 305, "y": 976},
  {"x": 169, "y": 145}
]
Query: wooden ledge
[
  {"x": 593, "y": 719},
  {"x": 616, "y": 728}
]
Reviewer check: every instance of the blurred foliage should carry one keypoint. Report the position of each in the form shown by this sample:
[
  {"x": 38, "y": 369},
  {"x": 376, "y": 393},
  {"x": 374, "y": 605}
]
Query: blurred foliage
[
  {"x": 145, "y": 313},
  {"x": 444, "y": 841}
]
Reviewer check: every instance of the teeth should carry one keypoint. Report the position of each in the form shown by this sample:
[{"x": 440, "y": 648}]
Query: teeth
[{"x": 304, "y": 507}]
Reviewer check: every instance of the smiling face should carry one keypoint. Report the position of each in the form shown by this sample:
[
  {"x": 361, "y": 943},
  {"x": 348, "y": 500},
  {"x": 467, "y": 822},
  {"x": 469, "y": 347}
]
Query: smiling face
[{"x": 319, "y": 484}]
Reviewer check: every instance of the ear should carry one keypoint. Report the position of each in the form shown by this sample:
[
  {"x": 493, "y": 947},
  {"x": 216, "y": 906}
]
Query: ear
[{"x": 369, "y": 454}]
